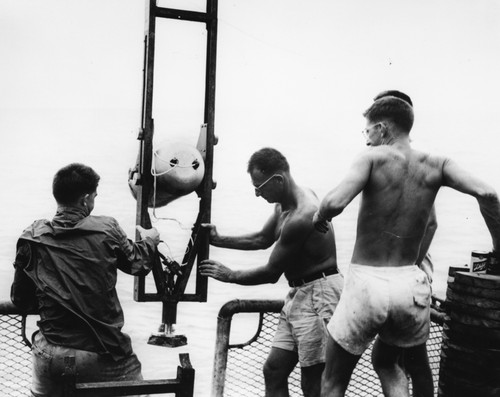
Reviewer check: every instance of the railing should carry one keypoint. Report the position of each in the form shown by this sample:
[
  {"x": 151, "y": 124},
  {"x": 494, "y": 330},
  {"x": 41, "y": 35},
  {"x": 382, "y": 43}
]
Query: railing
[
  {"x": 15, "y": 367},
  {"x": 238, "y": 368}
]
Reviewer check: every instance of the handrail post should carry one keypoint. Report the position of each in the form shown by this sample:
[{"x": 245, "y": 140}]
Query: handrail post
[
  {"x": 185, "y": 373},
  {"x": 221, "y": 351}
]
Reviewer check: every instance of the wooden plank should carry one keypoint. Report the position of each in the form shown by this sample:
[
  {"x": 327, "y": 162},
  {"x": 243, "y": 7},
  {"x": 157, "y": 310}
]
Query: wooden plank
[
  {"x": 476, "y": 291},
  {"x": 469, "y": 319},
  {"x": 473, "y": 310},
  {"x": 478, "y": 280},
  {"x": 471, "y": 300},
  {"x": 455, "y": 386}
]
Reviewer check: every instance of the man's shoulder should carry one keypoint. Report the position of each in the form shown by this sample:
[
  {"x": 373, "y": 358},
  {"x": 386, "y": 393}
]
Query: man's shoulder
[
  {"x": 300, "y": 218},
  {"x": 307, "y": 204},
  {"x": 432, "y": 160},
  {"x": 384, "y": 152},
  {"x": 102, "y": 220},
  {"x": 38, "y": 227}
]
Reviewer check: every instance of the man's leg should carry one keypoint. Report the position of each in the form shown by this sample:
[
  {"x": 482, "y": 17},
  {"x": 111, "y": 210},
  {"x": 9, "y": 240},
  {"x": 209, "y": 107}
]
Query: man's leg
[
  {"x": 386, "y": 359},
  {"x": 416, "y": 363},
  {"x": 48, "y": 367},
  {"x": 278, "y": 366},
  {"x": 311, "y": 380},
  {"x": 338, "y": 369}
]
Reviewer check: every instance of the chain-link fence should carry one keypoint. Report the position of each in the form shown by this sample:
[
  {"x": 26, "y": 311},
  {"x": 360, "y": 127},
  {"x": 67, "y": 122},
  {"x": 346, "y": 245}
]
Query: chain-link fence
[
  {"x": 238, "y": 367},
  {"x": 242, "y": 375},
  {"x": 15, "y": 364}
]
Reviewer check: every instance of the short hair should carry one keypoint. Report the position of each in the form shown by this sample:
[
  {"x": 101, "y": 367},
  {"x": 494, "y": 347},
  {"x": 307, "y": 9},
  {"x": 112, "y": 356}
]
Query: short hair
[
  {"x": 73, "y": 181},
  {"x": 395, "y": 93},
  {"x": 399, "y": 111},
  {"x": 268, "y": 161}
]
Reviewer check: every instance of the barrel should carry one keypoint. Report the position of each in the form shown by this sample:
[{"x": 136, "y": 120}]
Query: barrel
[{"x": 470, "y": 354}]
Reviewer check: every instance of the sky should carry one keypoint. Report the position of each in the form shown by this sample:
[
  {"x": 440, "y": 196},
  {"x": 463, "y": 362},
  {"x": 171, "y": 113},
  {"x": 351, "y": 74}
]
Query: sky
[
  {"x": 88, "y": 53},
  {"x": 288, "y": 64}
]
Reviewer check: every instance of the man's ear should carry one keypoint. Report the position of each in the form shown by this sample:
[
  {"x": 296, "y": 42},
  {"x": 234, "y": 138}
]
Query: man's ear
[{"x": 383, "y": 129}]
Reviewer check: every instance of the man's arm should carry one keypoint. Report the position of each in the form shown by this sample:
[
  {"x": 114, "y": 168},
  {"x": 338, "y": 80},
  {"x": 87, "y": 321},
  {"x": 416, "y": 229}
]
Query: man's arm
[
  {"x": 23, "y": 290},
  {"x": 136, "y": 258},
  {"x": 262, "y": 239},
  {"x": 286, "y": 249},
  {"x": 338, "y": 198},
  {"x": 424, "y": 260},
  {"x": 489, "y": 205},
  {"x": 430, "y": 230}
]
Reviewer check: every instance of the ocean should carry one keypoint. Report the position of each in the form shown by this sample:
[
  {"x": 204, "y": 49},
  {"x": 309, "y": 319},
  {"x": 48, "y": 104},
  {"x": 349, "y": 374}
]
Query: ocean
[
  {"x": 288, "y": 77},
  {"x": 36, "y": 144}
]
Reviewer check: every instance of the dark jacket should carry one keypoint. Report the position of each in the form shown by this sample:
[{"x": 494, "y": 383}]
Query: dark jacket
[{"x": 67, "y": 270}]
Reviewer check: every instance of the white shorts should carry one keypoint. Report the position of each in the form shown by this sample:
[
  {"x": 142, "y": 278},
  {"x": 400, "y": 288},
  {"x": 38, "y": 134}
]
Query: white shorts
[{"x": 393, "y": 302}]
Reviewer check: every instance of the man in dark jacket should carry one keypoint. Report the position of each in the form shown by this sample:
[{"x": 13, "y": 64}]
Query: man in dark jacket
[{"x": 66, "y": 269}]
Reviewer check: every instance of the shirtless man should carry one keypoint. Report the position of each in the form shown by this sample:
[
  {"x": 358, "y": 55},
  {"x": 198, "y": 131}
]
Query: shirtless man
[
  {"x": 398, "y": 186},
  {"x": 415, "y": 359},
  {"x": 308, "y": 260}
]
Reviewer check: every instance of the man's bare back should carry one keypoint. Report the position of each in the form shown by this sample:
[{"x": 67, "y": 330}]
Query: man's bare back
[
  {"x": 396, "y": 203},
  {"x": 385, "y": 293}
]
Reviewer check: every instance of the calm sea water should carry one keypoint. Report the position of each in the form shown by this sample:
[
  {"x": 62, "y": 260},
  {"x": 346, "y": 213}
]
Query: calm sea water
[{"x": 34, "y": 146}]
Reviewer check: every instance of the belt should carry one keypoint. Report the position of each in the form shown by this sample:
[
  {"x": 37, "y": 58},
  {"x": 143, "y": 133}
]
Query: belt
[{"x": 301, "y": 281}]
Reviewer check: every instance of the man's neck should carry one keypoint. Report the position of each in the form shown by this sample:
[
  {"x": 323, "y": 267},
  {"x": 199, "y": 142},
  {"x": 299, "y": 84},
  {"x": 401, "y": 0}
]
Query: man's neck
[
  {"x": 73, "y": 209},
  {"x": 398, "y": 139},
  {"x": 289, "y": 201}
]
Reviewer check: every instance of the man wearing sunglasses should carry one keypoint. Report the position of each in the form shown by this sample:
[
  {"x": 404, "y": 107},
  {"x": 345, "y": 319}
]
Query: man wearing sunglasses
[
  {"x": 308, "y": 260},
  {"x": 385, "y": 294}
]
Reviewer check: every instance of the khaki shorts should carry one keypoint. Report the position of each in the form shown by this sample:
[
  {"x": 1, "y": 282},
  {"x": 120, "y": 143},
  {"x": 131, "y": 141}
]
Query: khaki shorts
[
  {"x": 303, "y": 319},
  {"x": 393, "y": 302}
]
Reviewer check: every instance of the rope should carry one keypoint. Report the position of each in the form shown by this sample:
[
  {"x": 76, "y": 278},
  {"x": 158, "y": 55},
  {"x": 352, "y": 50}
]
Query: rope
[
  {"x": 174, "y": 165},
  {"x": 157, "y": 218}
]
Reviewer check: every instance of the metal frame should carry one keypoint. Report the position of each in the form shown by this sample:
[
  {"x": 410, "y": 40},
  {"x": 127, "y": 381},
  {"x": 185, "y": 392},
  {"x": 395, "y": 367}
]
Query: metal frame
[
  {"x": 236, "y": 306},
  {"x": 170, "y": 288},
  {"x": 180, "y": 386}
]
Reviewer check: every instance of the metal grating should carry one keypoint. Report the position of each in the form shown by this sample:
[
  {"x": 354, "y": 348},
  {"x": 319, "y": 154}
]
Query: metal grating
[
  {"x": 15, "y": 365},
  {"x": 244, "y": 366}
]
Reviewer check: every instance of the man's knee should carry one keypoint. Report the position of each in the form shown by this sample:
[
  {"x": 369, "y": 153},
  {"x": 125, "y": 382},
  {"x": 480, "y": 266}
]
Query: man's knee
[
  {"x": 279, "y": 364},
  {"x": 273, "y": 371}
]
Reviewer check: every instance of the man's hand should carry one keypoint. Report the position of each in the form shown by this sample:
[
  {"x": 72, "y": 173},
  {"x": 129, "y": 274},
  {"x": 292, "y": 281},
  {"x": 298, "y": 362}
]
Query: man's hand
[
  {"x": 217, "y": 270},
  {"x": 213, "y": 234},
  {"x": 151, "y": 233},
  {"x": 320, "y": 223}
]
